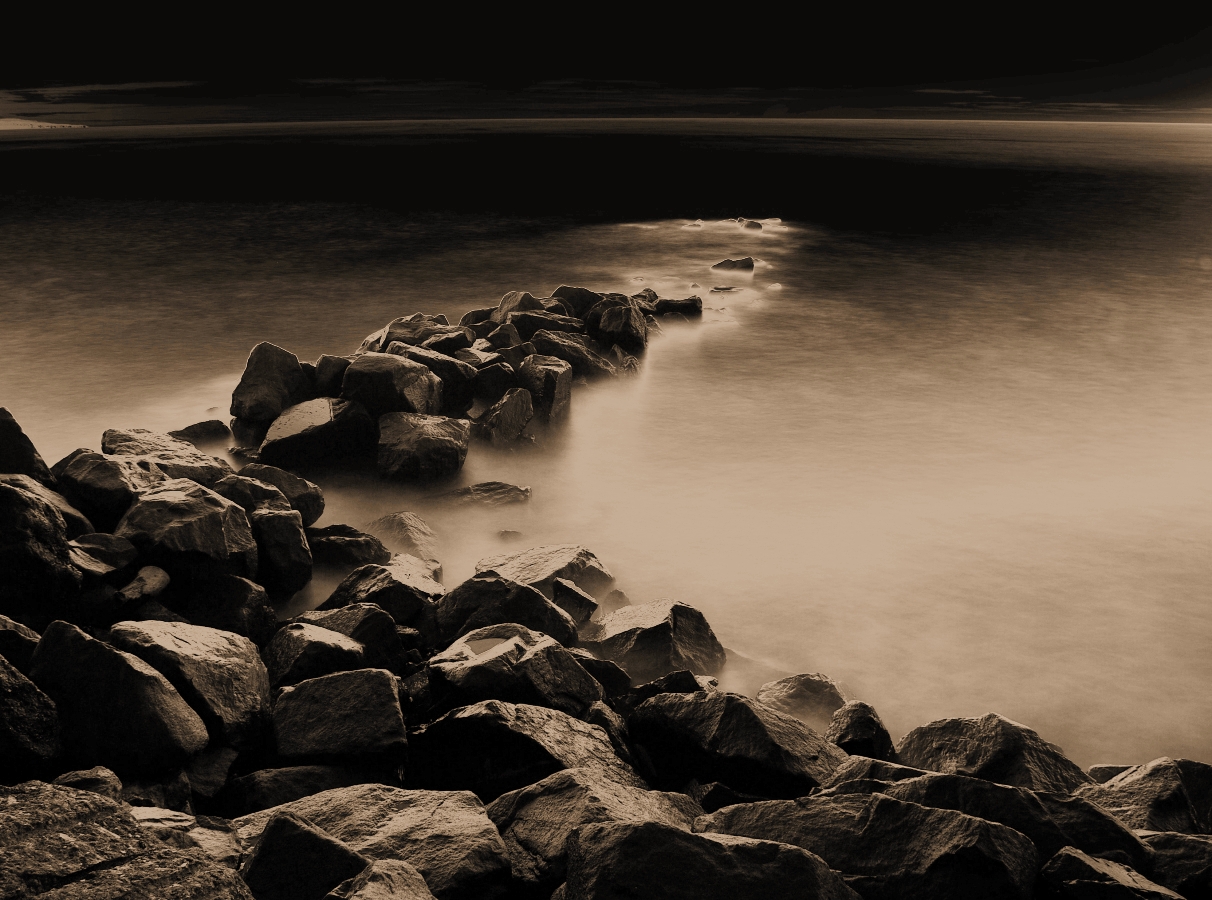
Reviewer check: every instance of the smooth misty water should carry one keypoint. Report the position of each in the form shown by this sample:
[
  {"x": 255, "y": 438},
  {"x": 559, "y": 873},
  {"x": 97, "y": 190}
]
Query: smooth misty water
[{"x": 961, "y": 470}]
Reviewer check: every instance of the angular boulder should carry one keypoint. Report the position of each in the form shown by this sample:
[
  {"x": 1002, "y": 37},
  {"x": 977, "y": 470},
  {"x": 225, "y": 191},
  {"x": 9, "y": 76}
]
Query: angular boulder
[
  {"x": 318, "y": 431},
  {"x": 413, "y": 330},
  {"x": 569, "y": 597},
  {"x": 272, "y": 381},
  {"x": 503, "y": 422},
  {"x": 406, "y": 532},
  {"x": 539, "y": 567},
  {"x": 578, "y": 300},
  {"x": 618, "y": 322},
  {"x": 304, "y": 497},
  {"x": 528, "y": 322},
  {"x": 1071, "y": 873},
  {"x": 284, "y": 560},
  {"x": 1182, "y": 862},
  {"x": 515, "y": 301},
  {"x": 210, "y": 432},
  {"x": 294, "y": 860},
  {"x": 549, "y": 381},
  {"x": 344, "y": 545},
  {"x": 810, "y": 697},
  {"x": 225, "y": 602},
  {"x": 869, "y": 771},
  {"x": 175, "y": 458},
  {"x": 744, "y": 264},
  {"x": 383, "y": 383},
  {"x": 691, "y": 307},
  {"x": 98, "y": 780},
  {"x": 18, "y": 456},
  {"x": 857, "y": 729},
  {"x": 370, "y": 626},
  {"x": 38, "y": 581},
  {"x": 491, "y": 600},
  {"x": 266, "y": 788},
  {"x": 585, "y": 363},
  {"x": 75, "y": 521},
  {"x": 493, "y": 382},
  {"x": 29, "y": 726},
  {"x": 346, "y": 714},
  {"x": 388, "y": 879},
  {"x": 457, "y": 377},
  {"x": 402, "y": 588},
  {"x": 17, "y": 643},
  {"x": 299, "y": 651},
  {"x": 330, "y": 371},
  {"x": 1162, "y": 795},
  {"x": 656, "y": 638},
  {"x": 103, "y": 487},
  {"x": 250, "y": 494},
  {"x": 415, "y": 446}
]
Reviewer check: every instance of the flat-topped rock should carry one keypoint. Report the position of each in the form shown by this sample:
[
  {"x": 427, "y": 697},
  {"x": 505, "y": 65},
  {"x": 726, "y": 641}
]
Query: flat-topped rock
[
  {"x": 539, "y": 567},
  {"x": 18, "y": 455},
  {"x": 745, "y": 263},
  {"x": 272, "y": 381},
  {"x": 421, "y": 446},
  {"x": 344, "y": 545},
  {"x": 175, "y": 458},
  {"x": 487, "y": 493},
  {"x": 318, "y": 431},
  {"x": 383, "y": 383},
  {"x": 653, "y": 639},
  {"x": 691, "y": 307}
]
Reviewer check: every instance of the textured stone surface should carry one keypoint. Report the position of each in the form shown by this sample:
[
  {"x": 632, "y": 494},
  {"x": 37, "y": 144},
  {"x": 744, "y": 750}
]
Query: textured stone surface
[
  {"x": 540, "y": 566},
  {"x": 388, "y": 879},
  {"x": 299, "y": 651},
  {"x": 402, "y": 588},
  {"x": 272, "y": 381},
  {"x": 406, "y": 532},
  {"x": 1162, "y": 795},
  {"x": 810, "y": 697},
  {"x": 75, "y": 521},
  {"x": 503, "y": 422},
  {"x": 29, "y": 725},
  {"x": 38, "y": 581},
  {"x": 585, "y": 363},
  {"x": 345, "y": 714},
  {"x": 415, "y": 446},
  {"x": 1182, "y": 862},
  {"x": 98, "y": 780},
  {"x": 18, "y": 456},
  {"x": 103, "y": 487},
  {"x": 294, "y": 860},
  {"x": 574, "y": 601},
  {"x": 656, "y": 638},
  {"x": 304, "y": 497},
  {"x": 489, "y": 600},
  {"x": 370, "y": 626},
  {"x": 383, "y": 383},
  {"x": 458, "y": 378},
  {"x": 175, "y": 458},
  {"x": 858, "y": 729},
  {"x": 266, "y": 788},
  {"x": 1072, "y": 873},
  {"x": 487, "y": 493},
  {"x": 344, "y": 545},
  {"x": 284, "y": 560},
  {"x": 549, "y": 381},
  {"x": 318, "y": 431}
]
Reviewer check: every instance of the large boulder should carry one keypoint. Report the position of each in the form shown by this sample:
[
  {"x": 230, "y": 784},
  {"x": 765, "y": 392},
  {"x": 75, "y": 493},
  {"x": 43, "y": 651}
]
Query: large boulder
[
  {"x": 218, "y": 673},
  {"x": 578, "y": 300},
  {"x": 29, "y": 726},
  {"x": 266, "y": 788},
  {"x": 656, "y": 638},
  {"x": 415, "y": 446},
  {"x": 38, "y": 581},
  {"x": 491, "y": 600},
  {"x": 406, "y": 532},
  {"x": 527, "y": 322},
  {"x": 115, "y": 709},
  {"x": 175, "y": 458},
  {"x": 1071, "y": 873},
  {"x": 304, "y": 497},
  {"x": 539, "y": 567},
  {"x": 386, "y": 879},
  {"x": 370, "y": 626},
  {"x": 98, "y": 779},
  {"x": 17, "y": 643},
  {"x": 503, "y": 422},
  {"x": 716, "y": 736},
  {"x": 250, "y": 494},
  {"x": 515, "y": 301},
  {"x": 574, "y": 601},
  {"x": 493, "y": 382},
  {"x": 618, "y": 320},
  {"x": 190, "y": 531},
  {"x": 318, "y": 431},
  {"x": 446, "y": 836},
  {"x": 103, "y": 558},
  {"x": 75, "y": 521},
  {"x": 869, "y": 771},
  {"x": 1182, "y": 862},
  {"x": 494, "y": 747},
  {"x": 1162, "y": 795},
  {"x": 891, "y": 850},
  {"x": 858, "y": 729},
  {"x": 272, "y": 381},
  {"x": 691, "y": 307},
  {"x": 346, "y": 714},
  {"x": 330, "y": 371},
  {"x": 458, "y": 378},
  {"x": 413, "y": 330},
  {"x": 585, "y": 363},
  {"x": 344, "y": 545},
  {"x": 200, "y": 434},
  {"x": 294, "y": 860},
  {"x": 384, "y": 382},
  {"x": 18, "y": 456},
  {"x": 537, "y": 820},
  {"x": 549, "y": 381},
  {"x": 225, "y": 602},
  {"x": 284, "y": 560},
  {"x": 403, "y": 588},
  {"x": 810, "y": 697},
  {"x": 300, "y": 651},
  {"x": 993, "y": 748},
  {"x": 103, "y": 487}
]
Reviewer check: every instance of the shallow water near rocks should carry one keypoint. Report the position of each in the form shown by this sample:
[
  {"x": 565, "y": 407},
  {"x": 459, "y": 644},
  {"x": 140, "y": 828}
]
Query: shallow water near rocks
[{"x": 962, "y": 470}]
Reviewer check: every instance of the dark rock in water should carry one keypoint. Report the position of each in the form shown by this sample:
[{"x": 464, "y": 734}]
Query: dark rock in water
[
  {"x": 65, "y": 843},
  {"x": 578, "y": 300},
  {"x": 494, "y": 747},
  {"x": 346, "y": 714},
  {"x": 458, "y": 378},
  {"x": 715, "y": 736},
  {"x": 506, "y": 335},
  {"x": 585, "y": 363},
  {"x": 646, "y": 300},
  {"x": 549, "y": 381},
  {"x": 512, "y": 663},
  {"x": 1071, "y": 873},
  {"x": 416, "y": 330},
  {"x": 103, "y": 557},
  {"x": 446, "y": 835},
  {"x": 406, "y": 533},
  {"x": 627, "y": 859},
  {"x": 502, "y": 424},
  {"x": 190, "y": 531},
  {"x": 175, "y": 458},
  {"x": 513, "y": 356},
  {"x": 250, "y": 494},
  {"x": 539, "y": 567},
  {"x": 691, "y": 307},
  {"x": 330, "y": 373},
  {"x": 567, "y": 596},
  {"x": 891, "y": 850},
  {"x": 29, "y": 726},
  {"x": 212, "y": 431},
  {"x": 448, "y": 343},
  {"x": 294, "y": 860},
  {"x": 402, "y": 588},
  {"x": 38, "y": 581},
  {"x": 993, "y": 748},
  {"x": 623, "y": 360},
  {"x": 384, "y": 382},
  {"x": 17, "y": 643},
  {"x": 528, "y": 323},
  {"x": 715, "y": 796},
  {"x": 18, "y": 456},
  {"x": 267, "y": 788},
  {"x": 870, "y": 771},
  {"x": 492, "y": 382},
  {"x": 514, "y": 301},
  {"x": 811, "y": 697},
  {"x": 656, "y": 638},
  {"x": 219, "y": 674},
  {"x": 370, "y": 626},
  {"x": 614, "y": 681},
  {"x": 415, "y": 446},
  {"x": 103, "y": 487},
  {"x": 284, "y": 557},
  {"x": 1103, "y": 774},
  {"x": 115, "y": 709},
  {"x": 487, "y": 493},
  {"x": 304, "y": 497},
  {"x": 743, "y": 264},
  {"x": 559, "y": 307},
  {"x": 344, "y": 545},
  {"x": 227, "y": 603},
  {"x": 475, "y": 316},
  {"x": 536, "y": 821},
  {"x": 1182, "y": 863},
  {"x": 272, "y": 381},
  {"x": 1162, "y": 795},
  {"x": 300, "y": 651},
  {"x": 858, "y": 729},
  {"x": 318, "y": 431},
  {"x": 76, "y": 522},
  {"x": 490, "y": 600},
  {"x": 622, "y": 325},
  {"x": 97, "y": 780}
]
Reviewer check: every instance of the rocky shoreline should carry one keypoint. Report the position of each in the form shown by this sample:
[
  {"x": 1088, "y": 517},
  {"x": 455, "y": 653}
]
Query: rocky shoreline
[{"x": 528, "y": 733}]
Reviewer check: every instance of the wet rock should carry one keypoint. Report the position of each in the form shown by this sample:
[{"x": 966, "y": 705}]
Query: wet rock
[
  {"x": 514, "y": 301},
  {"x": 621, "y": 324},
  {"x": 993, "y": 748},
  {"x": 446, "y": 836},
  {"x": 318, "y": 431},
  {"x": 218, "y": 673},
  {"x": 691, "y": 307},
  {"x": 300, "y": 651},
  {"x": 529, "y": 323},
  {"x": 716, "y": 736},
  {"x": 344, "y": 545},
  {"x": 490, "y": 600},
  {"x": 267, "y": 788},
  {"x": 458, "y": 378},
  {"x": 330, "y": 372},
  {"x": 449, "y": 343},
  {"x": 493, "y": 382},
  {"x": 549, "y": 381},
  {"x": 494, "y": 747},
  {"x": 103, "y": 487},
  {"x": 889, "y": 849},
  {"x": 504, "y": 336},
  {"x": 304, "y": 497},
  {"x": 37, "y": 578},
  {"x": 502, "y": 424},
  {"x": 407, "y": 533},
  {"x": 421, "y": 446},
  {"x": 227, "y": 603},
  {"x": 115, "y": 710},
  {"x": 383, "y": 383},
  {"x": 585, "y": 363},
  {"x": 413, "y": 330},
  {"x": 656, "y": 638},
  {"x": 272, "y": 381},
  {"x": 190, "y": 531},
  {"x": 17, "y": 643},
  {"x": 98, "y": 780},
  {"x": 614, "y": 681},
  {"x": 512, "y": 357},
  {"x": 1072, "y": 873},
  {"x": 175, "y": 458},
  {"x": 18, "y": 456},
  {"x": 383, "y": 880},
  {"x": 567, "y": 596},
  {"x": 1182, "y": 863},
  {"x": 1103, "y": 774},
  {"x": 346, "y": 714},
  {"x": 250, "y": 494},
  {"x": 579, "y": 300},
  {"x": 402, "y": 588},
  {"x": 1162, "y": 795},
  {"x": 536, "y": 821},
  {"x": 858, "y": 729},
  {"x": 370, "y": 626},
  {"x": 75, "y": 521},
  {"x": 283, "y": 554},
  {"x": 745, "y": 263},
  {"x": 476, "y": 316},
  {"x": 29, "y": 726},
  {"x": 811, "y": 697},
  {"x": 212, "y": 431},
  {"x": 870, "y": 771},
  {"x": 539, "y": 567},
  {"x": 294, "y": 860},
  {"x": 487, "y": 493}
]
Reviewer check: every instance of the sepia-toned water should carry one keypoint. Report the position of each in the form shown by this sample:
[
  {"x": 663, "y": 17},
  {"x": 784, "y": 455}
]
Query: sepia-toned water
[{"x": 962, "y": 469}]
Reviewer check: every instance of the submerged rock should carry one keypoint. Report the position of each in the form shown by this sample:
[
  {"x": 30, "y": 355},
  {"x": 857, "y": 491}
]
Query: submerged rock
[
  {"x": 811, "y": 697},
  {"x": 272, "y": 381},
  {"x": 304, "y": 497},
  {"x": 656, "y": 638},
  {"x": 18, "y": 456},
  {"x": 487, "y": 493},
  {"x": 539, "y": 567},
  {"x": 318, "y": 431},
  {"x": 419, "y": 446},
  {"x": 691, "y": 307},
  {"x": 1162, "y": 795}
]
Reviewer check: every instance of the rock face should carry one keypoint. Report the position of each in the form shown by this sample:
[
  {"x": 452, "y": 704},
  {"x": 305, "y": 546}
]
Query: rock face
[
  {"x": 1182, "y": 862},
  {"x": 75, "y": 844},
  {"x": 272, "y": 381},
  {"x": 1162, "y": 795},
  {"x": 304, "y": 497},
  {"x": 539, "y": 567},
  {"x": 218, "y": 673},
  {"x": 656, "y": 638},
  {"x": 490, "y": 600},
  {"x": 890, "y": 850},
  {"x": 284, "y": 559},
  {"x": 549, "y": 381},
  {"x": 446, "y": 836},
  {"x": 402, "y": 588},
  {"x": 1072, "y": 873},
  {"x": 574, "y": 601},
  {"x": 383, "y": 383},
  {"x": 811, "y": 697},
  {"x": 299, "y": 651},
  {"x": 715, "y": 736},
  {"x": 407, "y": 533},
  {"x": 370, "y": 626},
  {"x": 344, "y": 545},
  {"x": 536, "y": 821},
  {"x": 294, "y": 860},
  {"x": 512, "y": 663},
  {"x": 388, "y": 879},
  {"x": 494, "y": 747},
  {"x": 585, "y": 363},
  {"x": 77, "y": 523},
  {"x": 458, "y": 378},
  {"x": 17, "y": 643},
  {"x": 858, "y": 730},
  {"x": 615, "y": 860},
  {"x": 691, "y": 307},
  {"x": 18, "y": 456},
  {"x": 29, "y": 725},
  {"x": 318, "y": 431},
  {"x": 528, "y": 322},
  {"x": 266, "y": 788},
  {"x": 347, "y": 714},
  {"x": 103, "y": 487},
  {"x": 421, "y": 446},
  {"x": 190, "y": 531},
  {"x": 175, "y": 458},
  {"x": 37, "y": 578},
  {"x": 503, "y": 422},
  {"x": 993, "y": 748}
]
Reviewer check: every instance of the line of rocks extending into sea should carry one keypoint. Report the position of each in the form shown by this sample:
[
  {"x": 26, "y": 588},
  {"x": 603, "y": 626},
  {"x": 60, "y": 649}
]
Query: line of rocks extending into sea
[{"x": 528, "y": 733}]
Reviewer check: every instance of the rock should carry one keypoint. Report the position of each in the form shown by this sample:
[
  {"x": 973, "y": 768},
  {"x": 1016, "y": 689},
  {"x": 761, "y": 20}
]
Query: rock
[
  {"x": 37, "y": 578},
  {"x": 299, "y": 651},
  {"x": 18, "y": 456},
  {"x": 175, "y": 458},
  {"x": 549, "y": 381},
  {"x": 514, "y": 301},
  {"x": 103, "y": 487},
  {"x": 250, "y": 494},
  {"x": 29, "y": 726},
  {"x": 370, "y": 626},
  {"x": 539, "y": 567},
  {"x": 891, "y": 850},
  {"x": 503, "y": 422},
  {"x": 1072, "y": 873},
  {"x": 207, "y": 773},
  {"x": 512, "y": 663},
  {"x": 567, "y": 596},
  {"x": 655, "y": 638},
  {"x": 413, "y": 330},
  {"x": 383, "y": 880},
  {"x": 858, "y": 730},
  {"x": 446, "y": 835},
  {"x": 493, "y": 747},
  {"x": 190, "y": 531},
  {"x": 619, "y": 323},
  {"x": 402, "y": 588},
  {"x": 212, "y": 431},
  {"x": 1103, "y": 774},
  {"x": 612, "y": 723},
  {"x": 64, "y": 843},
  {"x": 1182, "y": 862},
  {"x": 227, "y": 603},
  {"x": 449, "y": 343},
  {"x": 98, "y": 780},
  {"x": 284, "y": 556},
  {"x": 481, "y": 357},
  {"x": 344, "y": 545},
  {"x": 75, "y": 521},
  {"x": 714, "y": 795},
  {"x": 493, "y": 382},
  {"x": 614, "y": 681},
  {"x": 812, "y": 698},
  {"x": 490, "y": 600},
  {"x": 419, "y": 446},
  {"x": 475, "y": 316},
  {"x": 304, "y": 497},
  {"x": 168, "y": 790},
  {"x": 407, "y": 533},
  {"x": 347, "y": 714},
  {"x": 510, "y": 356},
  {"x": 17, "y": 643},
  {"x": 487, "y": 493},
  {"x": 330, "y": 372},
  {"x": 743, "y": 264},
  {"x": 993, "y": 748},
  {"x": 578, "y": 300},
  {"x": 536, "y": 821},
  {"x": 103, "y": 558},
  {"x": 716, "y": 736},
  {"x": 294, "y": 860},
  {"x": 383, "y": 383},
  {"x": 691, "y": 307},
  {"x": 148, "y": 584},
  {"x": 504, "y": 336},
  {"x": 214, "y": 837},
  {"x": 318, "y": 431},
  {"x": 218, "y": 673},
  {"x": 1162, "y": 795},
  {"x": 458, "y": 378},
  {"x": 272, "y": 381},
  {"x": 865, "y": 769},
  {"x": 528, "y": 323},
  {"x": 585, "y": 363},
  {"x": 267, "y": 788},
  {"x": 115, "y": 710}
]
